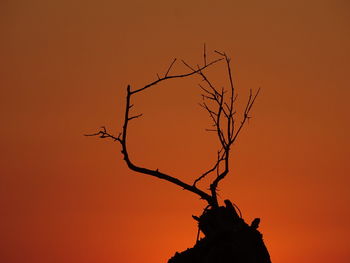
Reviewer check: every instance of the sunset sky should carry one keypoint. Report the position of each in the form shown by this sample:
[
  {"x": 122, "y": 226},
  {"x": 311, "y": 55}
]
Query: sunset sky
[{"x": 64, "y": 70}]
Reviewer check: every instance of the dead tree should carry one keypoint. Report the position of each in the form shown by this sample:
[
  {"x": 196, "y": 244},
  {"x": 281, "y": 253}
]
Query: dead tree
[
  {"x": 227, "y": 237},
  {"x": 219, "y": 103}
]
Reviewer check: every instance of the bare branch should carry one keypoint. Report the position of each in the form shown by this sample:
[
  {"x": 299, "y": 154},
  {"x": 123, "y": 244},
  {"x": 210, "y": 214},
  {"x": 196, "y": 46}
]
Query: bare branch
[
  {"x": 135, "y": 117},
  {"x": 246, "y": 112},
  {"x": 207, "y": 91},
  {"x": 122, "y": 138},
  {"x": 183, "y": 61},
  {"x": 104, "y": 134},
  {"x": 224, "y": 114},
  {"x": 256, "y": 95},
  {"x": 175, "y": 76},
  {"x": 208, "y": 97},
  {"x": 210, "y": 130},
  {"x": 219, "y": 103},
  {"x": 216, "y": 165},
  {"x": 205, "y": 174},
  {"x": 172, "y": 63},
  {"x": 209, "y": 83},
  {"x": 220, "y": 53}
]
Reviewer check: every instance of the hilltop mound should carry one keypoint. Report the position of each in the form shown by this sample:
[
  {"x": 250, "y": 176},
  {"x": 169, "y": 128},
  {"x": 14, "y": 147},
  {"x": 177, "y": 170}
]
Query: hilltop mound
[{"x": 228, "y": 239}]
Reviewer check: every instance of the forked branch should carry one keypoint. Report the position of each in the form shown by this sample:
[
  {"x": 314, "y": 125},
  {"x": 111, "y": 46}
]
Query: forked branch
[
  {"x": 219, "y": 103},
  {"x": 222, "y": 113}
]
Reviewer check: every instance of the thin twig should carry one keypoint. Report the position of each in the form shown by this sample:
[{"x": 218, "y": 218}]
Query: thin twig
[{"x": 172, "y": 63}]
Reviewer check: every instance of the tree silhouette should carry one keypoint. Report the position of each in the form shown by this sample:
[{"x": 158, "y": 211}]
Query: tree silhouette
[{"x": 218, "y": 223}]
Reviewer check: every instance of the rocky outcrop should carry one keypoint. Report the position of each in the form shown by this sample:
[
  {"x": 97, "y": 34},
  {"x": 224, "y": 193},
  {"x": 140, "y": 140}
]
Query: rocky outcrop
[{"x": 228, "y": 239}]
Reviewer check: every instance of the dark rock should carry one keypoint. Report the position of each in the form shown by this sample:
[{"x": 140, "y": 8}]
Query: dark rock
[{"x": 228, "y": 239}]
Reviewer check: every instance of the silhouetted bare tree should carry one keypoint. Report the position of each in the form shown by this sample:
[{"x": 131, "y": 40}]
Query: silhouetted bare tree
[
  {"x": 220, "y": 106},
  {"x": 227, "y": 237}
]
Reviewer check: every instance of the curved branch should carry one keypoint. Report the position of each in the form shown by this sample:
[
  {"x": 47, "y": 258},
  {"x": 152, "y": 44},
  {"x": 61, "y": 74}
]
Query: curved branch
[
  {"x": 122, "y": 138},
  {"x": 222, "y": 115},
  {"x": 154, "y": 173}
]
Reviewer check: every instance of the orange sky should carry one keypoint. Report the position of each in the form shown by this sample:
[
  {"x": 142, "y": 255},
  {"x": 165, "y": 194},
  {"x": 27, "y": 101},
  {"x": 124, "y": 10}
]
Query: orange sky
[{"x": 64, "y": 69}]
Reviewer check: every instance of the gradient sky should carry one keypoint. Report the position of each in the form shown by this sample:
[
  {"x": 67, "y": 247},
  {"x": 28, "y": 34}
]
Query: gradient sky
[{"x": 64, "y": 69}]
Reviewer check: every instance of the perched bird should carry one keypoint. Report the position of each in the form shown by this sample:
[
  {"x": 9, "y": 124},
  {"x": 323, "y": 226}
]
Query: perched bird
[{"x": 255, "y": 223}]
